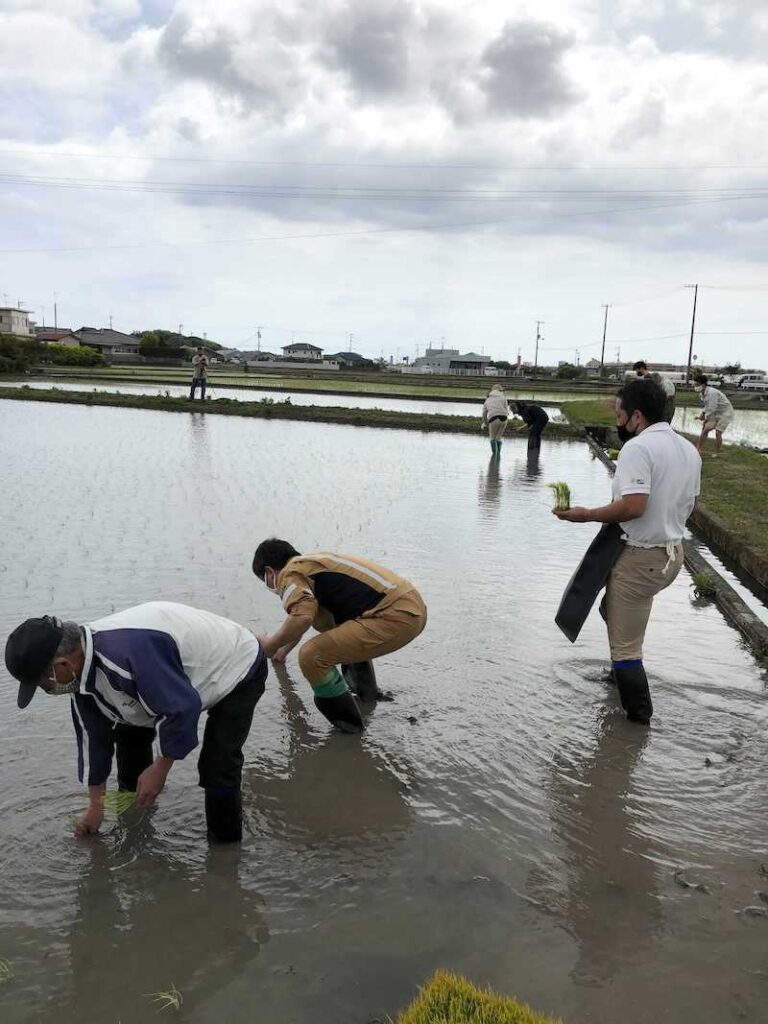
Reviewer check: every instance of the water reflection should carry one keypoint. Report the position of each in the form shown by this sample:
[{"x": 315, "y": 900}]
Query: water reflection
[
  {"x": 489, "y": 488},
  {"x": 146, "y": 922},
  {"x": 327, "y": 786},
  {"x": 610, "y": 904}
]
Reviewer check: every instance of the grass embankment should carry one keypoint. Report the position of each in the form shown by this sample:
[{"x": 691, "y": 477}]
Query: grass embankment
[
  {"x": 590, "y": 413},
  {"x": 451, "y": 999},
  {"x": 269, "y": 409}
]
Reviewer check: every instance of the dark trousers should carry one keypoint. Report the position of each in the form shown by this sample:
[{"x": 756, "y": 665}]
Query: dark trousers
[
  {"x": 197, "y": 381},
  {"x": 534, "y": 436},
  {"x": 220, "y": 764}
]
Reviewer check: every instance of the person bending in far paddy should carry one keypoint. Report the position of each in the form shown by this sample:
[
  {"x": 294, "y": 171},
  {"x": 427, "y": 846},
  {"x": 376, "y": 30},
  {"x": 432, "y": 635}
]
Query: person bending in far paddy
[
  {"x": 495, "y": 416},
  {"x": 361, "y": 611},
  {"x": 535, "y": 420}
]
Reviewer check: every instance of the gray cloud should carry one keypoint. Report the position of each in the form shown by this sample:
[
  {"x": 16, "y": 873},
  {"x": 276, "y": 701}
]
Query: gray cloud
[
  {"x": 523, "y": 70},
  {"x": 370, "y": 44}
]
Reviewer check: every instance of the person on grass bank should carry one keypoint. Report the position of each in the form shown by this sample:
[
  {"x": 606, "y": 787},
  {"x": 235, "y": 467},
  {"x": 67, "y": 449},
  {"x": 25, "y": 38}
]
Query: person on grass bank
[
  {"x": 657, "y": 481},
  {"x": 361, "y": 611},
  {"x": 535, "y": 420},
  {"x": 144, "y": 673},
  {"x": 717, "y": 414},
  {"x": 495, "y": 416},
  {"x": 199, "y": 374},
  {"x": 667, "y": 385}
]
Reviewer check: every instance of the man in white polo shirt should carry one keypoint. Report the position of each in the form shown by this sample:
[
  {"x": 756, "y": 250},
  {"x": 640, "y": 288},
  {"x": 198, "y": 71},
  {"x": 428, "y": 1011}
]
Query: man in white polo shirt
[{"x": 657, "y": 481}]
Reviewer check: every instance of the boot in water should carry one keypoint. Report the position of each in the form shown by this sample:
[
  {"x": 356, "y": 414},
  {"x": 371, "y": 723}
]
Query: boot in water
[
  {"x": 361, "y": 678},
  {"x": 224, "y": 814},
  {"x": 336, "y": 703},
  {"x": 633, "y": 690}
]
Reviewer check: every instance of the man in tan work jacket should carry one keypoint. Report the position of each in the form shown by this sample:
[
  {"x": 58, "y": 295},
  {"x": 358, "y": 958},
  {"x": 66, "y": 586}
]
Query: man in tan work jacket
[{"x": 361, "y": 611}]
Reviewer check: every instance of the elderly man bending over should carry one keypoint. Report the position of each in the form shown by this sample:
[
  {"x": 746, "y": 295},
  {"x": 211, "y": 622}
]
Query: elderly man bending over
[{"x": 146, "y": 671}]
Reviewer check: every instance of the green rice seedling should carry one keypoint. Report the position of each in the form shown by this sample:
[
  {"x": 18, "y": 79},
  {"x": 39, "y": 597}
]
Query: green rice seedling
[
  {"x": 704, "y": 585},
  {"x": 171, "y": 998},
  {"x": 562, "y": 496},
  {"x": 6, "y": 971},
  {"x": 117, "y": 801},
  {"x": 451, "y": 999},
  {"x": 613, "y": 454}
]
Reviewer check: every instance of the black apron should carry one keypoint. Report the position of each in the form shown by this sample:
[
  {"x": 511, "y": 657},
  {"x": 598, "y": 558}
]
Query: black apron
[{"x": 589, "y": 579}]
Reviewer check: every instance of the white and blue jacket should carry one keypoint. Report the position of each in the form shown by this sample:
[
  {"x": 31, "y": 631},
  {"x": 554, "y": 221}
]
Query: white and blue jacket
[{"x": 156, "y": 665}]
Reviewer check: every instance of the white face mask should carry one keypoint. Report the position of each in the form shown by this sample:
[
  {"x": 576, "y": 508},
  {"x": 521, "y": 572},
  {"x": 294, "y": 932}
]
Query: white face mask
[
  {"x": 270, "y": 582},
  {"x": 57, "y": 689}
]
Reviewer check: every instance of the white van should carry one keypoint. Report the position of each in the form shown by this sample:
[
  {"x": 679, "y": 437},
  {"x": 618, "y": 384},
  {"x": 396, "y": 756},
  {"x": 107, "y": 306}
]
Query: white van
[{"x": 752, "y": 381}]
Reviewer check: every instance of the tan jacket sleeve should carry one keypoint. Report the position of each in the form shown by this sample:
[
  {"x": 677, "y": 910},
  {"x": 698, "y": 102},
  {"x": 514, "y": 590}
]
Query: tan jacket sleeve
[{"x": 297, "y": 595}]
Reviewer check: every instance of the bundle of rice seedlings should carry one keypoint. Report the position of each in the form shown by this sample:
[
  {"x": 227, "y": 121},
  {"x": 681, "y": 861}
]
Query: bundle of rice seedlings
[
  {"x": 118, "y": 801},
  {"x": 451, "y": 999},
  {"x": 613, "y": 454},
  {"x": 562, "y": 495},
  {"x": 172, "y": 998},
  {"x": 6, "y": 971},
  {"x": 704, "y": 585}
]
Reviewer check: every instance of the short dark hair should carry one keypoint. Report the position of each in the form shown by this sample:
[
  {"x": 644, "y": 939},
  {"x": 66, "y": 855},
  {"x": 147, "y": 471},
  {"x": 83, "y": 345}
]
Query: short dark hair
[
  {"x": 272, "y": 554},
  {"x": 640, "y": 365},
  {"x": 701, "y": 378},
  {"x": 645, "y": 396}
]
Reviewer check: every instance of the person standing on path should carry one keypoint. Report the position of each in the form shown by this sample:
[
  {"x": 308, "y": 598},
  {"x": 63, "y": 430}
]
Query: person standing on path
[
  {"x": 667, "y": 385},
  {"x": 535, "y": 419},
  {"x": 657, "y": 481},
  {"x": 148, "y": 670},
  {"x": 495, "y": 417},
  {"x": 361, "y": 611},
  {"x": 199, "y": 373},
  {"x": 717, "y": 414}
]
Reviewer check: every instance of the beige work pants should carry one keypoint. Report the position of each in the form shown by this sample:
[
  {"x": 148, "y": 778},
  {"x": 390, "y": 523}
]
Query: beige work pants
[
  {"x": 375, "y": 633},
  {"x": 635, "y": 580}
]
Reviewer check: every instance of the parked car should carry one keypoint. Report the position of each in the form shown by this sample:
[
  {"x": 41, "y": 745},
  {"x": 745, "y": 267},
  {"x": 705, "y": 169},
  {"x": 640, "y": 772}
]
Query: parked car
[{"x": 753, "y": 381}]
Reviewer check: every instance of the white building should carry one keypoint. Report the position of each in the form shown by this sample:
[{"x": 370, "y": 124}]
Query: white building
[
  {"x": 16, "y": 321},
  {"x": 303, "y": 352},
  {"x": 450, "y": 360}
]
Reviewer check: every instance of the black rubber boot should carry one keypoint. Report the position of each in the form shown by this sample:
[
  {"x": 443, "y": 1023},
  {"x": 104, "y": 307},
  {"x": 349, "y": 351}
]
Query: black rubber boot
[
  {"x": 224, "y": 814},
  {"x": 633, "y": 691},
  {"x": 361, "y": 679},
  {"x": 342, "y": 712}
]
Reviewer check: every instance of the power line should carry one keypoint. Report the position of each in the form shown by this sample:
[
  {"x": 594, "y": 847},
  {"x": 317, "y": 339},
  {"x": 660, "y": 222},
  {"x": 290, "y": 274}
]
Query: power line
[
  {"x": 363, "y": 232},
  {"x": 388, "y": 165}
]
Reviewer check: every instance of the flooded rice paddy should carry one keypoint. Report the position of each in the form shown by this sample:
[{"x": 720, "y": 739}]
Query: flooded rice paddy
[
  {"x": 446, "y": 408},
  {"x": 501, "y": 818},
  {"x": 750, "y": 426}
]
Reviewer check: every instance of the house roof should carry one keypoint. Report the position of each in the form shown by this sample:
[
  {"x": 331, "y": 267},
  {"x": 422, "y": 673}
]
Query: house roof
[
  {"x": 51, "y": 333},
  {"x": 105, "y": 336},
  {"x": 349, "y": 357},
  {"x": 303, "y": 345}
]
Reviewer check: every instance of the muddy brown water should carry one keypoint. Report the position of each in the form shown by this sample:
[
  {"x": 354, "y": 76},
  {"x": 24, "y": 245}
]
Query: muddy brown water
[{"x": 500, "y": 818}]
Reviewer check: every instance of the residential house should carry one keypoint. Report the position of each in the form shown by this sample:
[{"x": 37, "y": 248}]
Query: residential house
[
  {"x": 303, "y": 352},
  {"x": 110, "y": 343},
  {"x": 14, "y": 320},
  {"x": 349, "y": 360}
]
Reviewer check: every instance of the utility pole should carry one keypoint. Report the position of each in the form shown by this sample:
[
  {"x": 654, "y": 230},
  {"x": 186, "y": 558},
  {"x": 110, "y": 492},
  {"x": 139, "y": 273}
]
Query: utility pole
[
  {"x": 693, "y": 327},
  {"x": 538, "y": 339},
  {"x": 110, "y": 321},
  {"x": 55, "y": 311},
  {"x": 258, "y": 339},
  {"x": 350, "y": 341},
  {"x": 605, "y": 330}
]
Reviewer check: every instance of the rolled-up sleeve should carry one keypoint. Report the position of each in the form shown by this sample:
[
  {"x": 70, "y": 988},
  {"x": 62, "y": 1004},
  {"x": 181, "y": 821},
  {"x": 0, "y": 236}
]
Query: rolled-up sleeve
[{"x": 298, "y": 596}]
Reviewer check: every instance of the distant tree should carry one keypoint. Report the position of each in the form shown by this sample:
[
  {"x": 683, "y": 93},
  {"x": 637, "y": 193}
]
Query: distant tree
[
  {"x": 567, "y": 371},
  {"x": 18, "y": 354},
  {"x": 72, "y": 355},
  {"x": 730, "y": 369},
  {"x": 158, "y": 338},
  {"x": 504, "y": 365}
]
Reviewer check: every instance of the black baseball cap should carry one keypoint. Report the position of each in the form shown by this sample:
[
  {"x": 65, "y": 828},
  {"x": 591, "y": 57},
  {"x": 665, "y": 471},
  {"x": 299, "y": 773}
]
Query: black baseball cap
[{"x": 29, "y": 651}]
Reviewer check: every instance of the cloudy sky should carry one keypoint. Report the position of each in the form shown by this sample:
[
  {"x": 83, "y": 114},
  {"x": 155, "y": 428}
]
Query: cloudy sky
[{"x": 403, "y": 171}]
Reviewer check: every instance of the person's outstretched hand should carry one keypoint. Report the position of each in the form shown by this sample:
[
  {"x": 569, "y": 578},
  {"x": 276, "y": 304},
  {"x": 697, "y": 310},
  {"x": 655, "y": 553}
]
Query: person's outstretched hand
[
  {"x": 88, "y": 824},
  {"x": 572, "y": 515}
]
